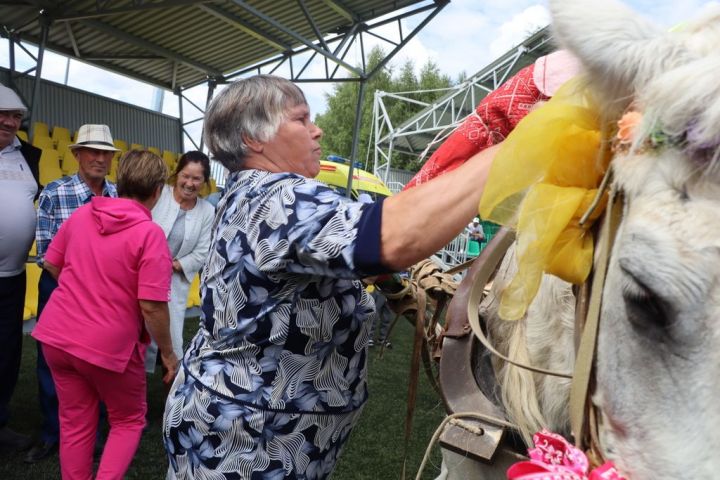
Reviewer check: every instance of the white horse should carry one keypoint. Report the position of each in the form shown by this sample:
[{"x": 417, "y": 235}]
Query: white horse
[{"x": 657, "y": 365}]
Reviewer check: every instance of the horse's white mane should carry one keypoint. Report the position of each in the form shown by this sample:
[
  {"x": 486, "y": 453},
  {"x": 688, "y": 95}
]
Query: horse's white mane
[{"x": 533, "y": 401}]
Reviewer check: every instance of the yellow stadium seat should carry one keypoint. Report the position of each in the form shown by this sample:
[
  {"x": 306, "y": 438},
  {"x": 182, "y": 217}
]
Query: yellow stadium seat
[
  {"x": 49, "y": 174},
  {"x": 49, "y": 158},
  {"x": 62, "y": 146},
  {"x": 136, "y": 146},
  {"x": 43, "y": 142},
  {"x": 31, "y": 292},
  {"x": 22, "y": 134},
  {"x": 40, "y": 129},
  {"x": 33, "y": 249},
  {"x": 170, "y": 167},
  {"x": 205, "y": 190},
  {"x": 208, "y": 188},
  {"x": 112, "y": 174},
  {"x": 194, "y": 293},
  {"x": 121, "y": 144},
  {"x": 69, "y": 164},
  {"x": 169, "y": 156},
  {"x": 154, "y": 150},
  {"x": 60, "y": 134}
]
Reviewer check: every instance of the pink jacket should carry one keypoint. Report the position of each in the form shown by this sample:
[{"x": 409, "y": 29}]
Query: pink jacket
[{"x": 111, "y": 255}]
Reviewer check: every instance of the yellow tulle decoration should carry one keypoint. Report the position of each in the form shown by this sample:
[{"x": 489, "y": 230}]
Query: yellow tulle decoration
[{"x": 542, "y": 181}]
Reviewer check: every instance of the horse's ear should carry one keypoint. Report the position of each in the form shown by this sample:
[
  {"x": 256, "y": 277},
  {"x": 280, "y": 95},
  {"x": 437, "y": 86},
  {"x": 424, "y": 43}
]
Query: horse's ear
[{"x": 619, "y": 50}]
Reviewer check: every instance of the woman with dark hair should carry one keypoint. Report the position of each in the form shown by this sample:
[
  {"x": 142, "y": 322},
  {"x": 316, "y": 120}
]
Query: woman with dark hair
[
  {"x": 276, "y": 377},
  {"x": 113, "y": 270},
  {"x": 186, "y": 221}
]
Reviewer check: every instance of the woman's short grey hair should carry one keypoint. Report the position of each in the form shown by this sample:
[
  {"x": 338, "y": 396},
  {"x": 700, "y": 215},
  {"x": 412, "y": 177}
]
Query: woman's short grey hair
[{"x": 251, "y": 108}]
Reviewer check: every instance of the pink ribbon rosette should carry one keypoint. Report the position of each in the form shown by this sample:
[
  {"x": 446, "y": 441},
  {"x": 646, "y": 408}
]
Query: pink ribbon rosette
[{"x": 553, "y": 458}]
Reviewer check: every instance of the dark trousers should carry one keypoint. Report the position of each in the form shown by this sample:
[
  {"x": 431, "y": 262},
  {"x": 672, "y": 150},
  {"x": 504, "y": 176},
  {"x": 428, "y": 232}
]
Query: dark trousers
[
  {"x": 12, "y": 304},
  {"x": 50, "y": 430}
]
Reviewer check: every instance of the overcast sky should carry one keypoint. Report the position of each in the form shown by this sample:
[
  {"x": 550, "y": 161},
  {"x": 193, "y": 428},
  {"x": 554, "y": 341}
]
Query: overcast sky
[{"x": 465, "y": 36}]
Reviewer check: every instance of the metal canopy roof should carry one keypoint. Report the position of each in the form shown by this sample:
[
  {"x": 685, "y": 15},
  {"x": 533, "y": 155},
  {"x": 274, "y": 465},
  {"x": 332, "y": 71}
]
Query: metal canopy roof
[{"x": 177, "y": 44}]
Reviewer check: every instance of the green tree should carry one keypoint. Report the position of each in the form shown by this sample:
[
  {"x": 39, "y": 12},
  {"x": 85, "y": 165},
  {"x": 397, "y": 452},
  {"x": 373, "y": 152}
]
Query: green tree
[{"x": 339, "y": 119}]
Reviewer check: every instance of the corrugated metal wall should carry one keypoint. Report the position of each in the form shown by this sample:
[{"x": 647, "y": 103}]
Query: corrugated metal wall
[{"x": 70, "y": 108}]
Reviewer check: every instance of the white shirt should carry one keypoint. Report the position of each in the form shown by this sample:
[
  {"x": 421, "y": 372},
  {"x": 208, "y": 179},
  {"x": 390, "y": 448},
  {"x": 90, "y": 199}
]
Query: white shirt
[{"x": 17, "y": 222}]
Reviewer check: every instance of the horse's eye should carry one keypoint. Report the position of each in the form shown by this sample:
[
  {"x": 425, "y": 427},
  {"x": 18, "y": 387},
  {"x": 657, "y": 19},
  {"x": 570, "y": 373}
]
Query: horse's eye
[{"x": 646, "y": 311}]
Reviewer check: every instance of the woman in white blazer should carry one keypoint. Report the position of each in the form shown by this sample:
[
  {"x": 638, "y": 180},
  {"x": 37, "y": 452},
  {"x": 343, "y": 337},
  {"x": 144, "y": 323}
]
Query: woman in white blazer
[{"x": 186, "y": 221}]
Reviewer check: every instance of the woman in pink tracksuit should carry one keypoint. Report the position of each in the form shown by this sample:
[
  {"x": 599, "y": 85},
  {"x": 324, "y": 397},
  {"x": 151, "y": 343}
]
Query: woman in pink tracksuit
[{"x": 113, "y": 269}]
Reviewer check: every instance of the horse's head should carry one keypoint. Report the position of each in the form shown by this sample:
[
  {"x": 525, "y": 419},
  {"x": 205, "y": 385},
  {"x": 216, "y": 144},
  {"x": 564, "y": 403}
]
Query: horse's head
[{"x": 658, "y": 359}]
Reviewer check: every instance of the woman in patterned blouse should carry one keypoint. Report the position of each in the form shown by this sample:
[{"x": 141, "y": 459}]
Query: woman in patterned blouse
[{"x": 275, "y": 378}]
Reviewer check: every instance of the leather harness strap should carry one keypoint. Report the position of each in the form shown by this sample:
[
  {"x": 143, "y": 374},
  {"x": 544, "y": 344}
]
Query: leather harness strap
[{"x": 581, "y": 409}]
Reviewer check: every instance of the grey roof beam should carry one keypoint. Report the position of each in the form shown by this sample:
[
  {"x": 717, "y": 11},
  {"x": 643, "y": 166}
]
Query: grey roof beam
[
  {"x": 350, "y": 34},
  {"x": 380, "y": 37},
  {"x": 310, "y": 20},
  {"x": 151, "y": 47},
  {"x": 102, "y": 11},
  {"x": 105, "y": 65},
  {"x": 110, "y": 57},
  {"x": 436, "y": 8},
  {"x": 342, "y": 10},
  {"x": 307, "y": 64},
  {"x": 73, "y": 41},
  {"x": 347, "y": 42},
  {"x": 247, "y": 27},
  {"x": 344, "y": 54},
  {"x": 173, "y": 82},
  {"x": 297, "y": 36}
]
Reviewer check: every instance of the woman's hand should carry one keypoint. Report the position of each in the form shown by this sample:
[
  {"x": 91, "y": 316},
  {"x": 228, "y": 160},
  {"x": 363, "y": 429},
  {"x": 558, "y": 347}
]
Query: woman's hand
[
  {"x": 177, "y": 266},
  {"x": 170, "y": 362}
]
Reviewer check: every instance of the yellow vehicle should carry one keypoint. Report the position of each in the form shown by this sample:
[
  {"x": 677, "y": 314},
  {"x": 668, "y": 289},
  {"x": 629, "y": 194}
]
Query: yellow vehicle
[{"x": 335, "y": 175}]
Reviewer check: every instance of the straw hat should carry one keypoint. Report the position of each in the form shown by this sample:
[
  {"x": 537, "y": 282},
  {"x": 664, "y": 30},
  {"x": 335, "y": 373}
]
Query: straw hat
[
  {"x": 9, "y": 100},
  {"x": 95, "y": 136}
]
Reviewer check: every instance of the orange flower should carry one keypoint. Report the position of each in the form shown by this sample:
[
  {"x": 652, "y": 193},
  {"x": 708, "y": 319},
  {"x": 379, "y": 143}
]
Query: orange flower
[{"x": 627, "y": 125}]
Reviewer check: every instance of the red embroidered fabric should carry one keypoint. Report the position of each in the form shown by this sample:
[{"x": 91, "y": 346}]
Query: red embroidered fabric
[{"x": 494, "y": 118}]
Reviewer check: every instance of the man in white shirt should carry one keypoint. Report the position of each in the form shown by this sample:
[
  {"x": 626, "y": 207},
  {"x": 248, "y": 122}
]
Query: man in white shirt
[
  {"x": 476, "y": 231},
  {"x": 18, "y": 189}
]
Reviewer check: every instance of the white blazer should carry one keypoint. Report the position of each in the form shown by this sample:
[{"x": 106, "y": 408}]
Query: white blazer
[
  {"x": 192, "y": 255},
  {"x": 198, "y": 224}
]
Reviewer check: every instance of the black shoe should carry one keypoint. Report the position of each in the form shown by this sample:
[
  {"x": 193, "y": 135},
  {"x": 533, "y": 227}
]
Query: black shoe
[
  {"x": 12, "y": 441},
  {"x": 387, "y": 345},
  {"x": 41, "y": 450},
  {"x": 371, "y": 343}
]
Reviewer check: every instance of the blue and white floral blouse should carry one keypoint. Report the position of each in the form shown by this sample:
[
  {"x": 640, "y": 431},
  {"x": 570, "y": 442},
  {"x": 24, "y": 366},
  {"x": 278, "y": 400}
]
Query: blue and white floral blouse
[{"x": 284, "y": 322}]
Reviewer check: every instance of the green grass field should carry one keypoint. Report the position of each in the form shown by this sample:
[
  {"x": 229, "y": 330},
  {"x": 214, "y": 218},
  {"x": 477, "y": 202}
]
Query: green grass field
[{"x": 374, "y": 451}]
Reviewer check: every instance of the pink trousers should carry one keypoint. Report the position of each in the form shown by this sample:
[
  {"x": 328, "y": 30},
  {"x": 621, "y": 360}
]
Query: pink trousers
[{"x": 81, "y": 386}]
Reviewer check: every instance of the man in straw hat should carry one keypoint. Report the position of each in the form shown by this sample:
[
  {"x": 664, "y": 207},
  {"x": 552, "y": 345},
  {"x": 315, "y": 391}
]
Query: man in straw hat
[
  {"x": 93, "y": 150},
  {"x": 18, "y": 188}
]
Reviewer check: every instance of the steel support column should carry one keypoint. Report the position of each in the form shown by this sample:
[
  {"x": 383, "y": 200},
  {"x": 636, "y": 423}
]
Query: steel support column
[
  {"x": 181, "y": 130},
  {"x": 212, "y": 84},
  {"x": 45, "y": 22},
  {"x": 356, "y": 133}
]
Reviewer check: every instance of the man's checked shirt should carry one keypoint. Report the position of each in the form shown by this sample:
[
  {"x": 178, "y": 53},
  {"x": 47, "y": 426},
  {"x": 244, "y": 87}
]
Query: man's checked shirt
[{"x": 58, "y": 200}]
